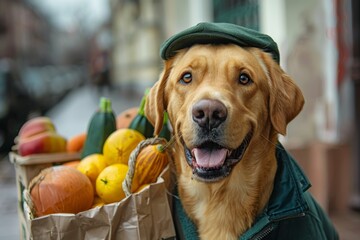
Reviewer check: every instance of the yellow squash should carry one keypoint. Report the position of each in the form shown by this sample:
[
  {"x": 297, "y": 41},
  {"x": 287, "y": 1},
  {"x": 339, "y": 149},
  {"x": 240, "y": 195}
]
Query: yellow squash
[
  {"x": 150, "y": 162},
  {"x": 119, "y": 145}
]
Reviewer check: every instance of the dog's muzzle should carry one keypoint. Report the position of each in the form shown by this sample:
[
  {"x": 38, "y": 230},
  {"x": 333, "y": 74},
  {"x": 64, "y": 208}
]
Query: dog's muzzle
[
  {"x": 211, "y": 162},
  {"x": 209, "y": 159}
]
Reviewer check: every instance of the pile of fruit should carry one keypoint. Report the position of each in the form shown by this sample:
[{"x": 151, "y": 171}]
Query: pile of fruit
[
  {"x": 96, "y": 178},
  {"x": 39, "y": 135}
]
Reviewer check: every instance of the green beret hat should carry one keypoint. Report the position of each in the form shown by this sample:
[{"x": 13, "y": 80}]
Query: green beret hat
[{"x": 219, "y": 33}]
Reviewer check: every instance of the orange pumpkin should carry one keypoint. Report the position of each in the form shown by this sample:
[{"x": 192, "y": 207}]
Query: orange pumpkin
[
  {"x": 150, "y": 162},
  {"x": 61, "y": 189},
  {"x": 124, "y": 119},
  {"x": 76, "y": 143}
]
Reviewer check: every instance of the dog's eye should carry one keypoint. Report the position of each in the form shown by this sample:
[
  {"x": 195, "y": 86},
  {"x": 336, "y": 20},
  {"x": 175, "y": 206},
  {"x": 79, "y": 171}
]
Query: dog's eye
[
  {"x": 244, "y": 79},
  {"x": 186, "y": 78}
]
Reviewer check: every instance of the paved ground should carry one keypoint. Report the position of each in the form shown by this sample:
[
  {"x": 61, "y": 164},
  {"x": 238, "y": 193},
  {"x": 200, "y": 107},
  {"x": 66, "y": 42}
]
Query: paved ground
[
  {"x": 71, "y": 117},
  {"x": 9, "y": 224}
]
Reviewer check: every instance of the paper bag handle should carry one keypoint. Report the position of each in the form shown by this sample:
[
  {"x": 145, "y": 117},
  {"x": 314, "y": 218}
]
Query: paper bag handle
[{"x": 126, "y": 184}]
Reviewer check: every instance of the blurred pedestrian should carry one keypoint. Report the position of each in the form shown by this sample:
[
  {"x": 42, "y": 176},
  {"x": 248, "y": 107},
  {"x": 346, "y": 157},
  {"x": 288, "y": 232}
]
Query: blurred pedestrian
[{"x": 100, "y": 74}]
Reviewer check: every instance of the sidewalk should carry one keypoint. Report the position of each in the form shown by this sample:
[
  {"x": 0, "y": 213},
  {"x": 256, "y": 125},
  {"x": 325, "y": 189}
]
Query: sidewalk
[
  {"x": 72, "y": 115},
  {"x": 9, "y": 224}
]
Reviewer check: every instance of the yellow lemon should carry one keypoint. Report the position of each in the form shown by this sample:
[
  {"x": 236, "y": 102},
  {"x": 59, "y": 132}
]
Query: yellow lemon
[
  {"x": 91, "y": 166},
  {"x": 109, "y": 183},
  {"x": 119, "y": 145}
]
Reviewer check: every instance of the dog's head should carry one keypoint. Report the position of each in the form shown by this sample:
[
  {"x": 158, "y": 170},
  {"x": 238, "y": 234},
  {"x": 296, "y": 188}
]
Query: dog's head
[{"x": 219, "y": 99}]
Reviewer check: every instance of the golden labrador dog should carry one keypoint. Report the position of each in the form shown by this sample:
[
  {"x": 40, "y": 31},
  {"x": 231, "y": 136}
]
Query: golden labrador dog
[{"x": 226, "y": 104}]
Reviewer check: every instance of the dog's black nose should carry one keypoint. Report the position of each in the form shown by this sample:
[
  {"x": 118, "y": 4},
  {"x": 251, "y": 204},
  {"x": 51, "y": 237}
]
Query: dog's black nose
[{"x": 209, "y": 113}]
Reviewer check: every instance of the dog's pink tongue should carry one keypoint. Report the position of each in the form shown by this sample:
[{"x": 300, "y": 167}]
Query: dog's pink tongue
[{"x": 210, "y": 158}]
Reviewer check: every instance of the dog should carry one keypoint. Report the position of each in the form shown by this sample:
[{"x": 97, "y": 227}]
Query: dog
[{"x": 227, "y": 104}]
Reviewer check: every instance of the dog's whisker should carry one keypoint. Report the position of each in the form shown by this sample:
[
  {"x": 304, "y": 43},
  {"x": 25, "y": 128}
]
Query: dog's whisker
[
  {"x": 171, "y": 141},
  {"x": 173, "y": 195},
  {"x": 274, "y": 144}
]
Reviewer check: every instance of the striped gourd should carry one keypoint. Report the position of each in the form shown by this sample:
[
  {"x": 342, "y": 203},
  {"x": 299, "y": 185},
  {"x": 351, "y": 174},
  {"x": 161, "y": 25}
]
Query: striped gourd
[{"x": 150, "y": 162}]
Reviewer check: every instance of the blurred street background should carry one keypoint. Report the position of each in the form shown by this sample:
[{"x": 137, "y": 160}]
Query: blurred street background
[{"x": 57, "y": 58}]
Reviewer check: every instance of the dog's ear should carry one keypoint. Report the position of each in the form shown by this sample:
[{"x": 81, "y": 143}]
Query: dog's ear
[
  {"x": 286, "y": 98},
  {"x": 155, "y": 102}
]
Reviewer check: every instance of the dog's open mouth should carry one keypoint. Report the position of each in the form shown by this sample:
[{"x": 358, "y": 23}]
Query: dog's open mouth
[{"x": 212, "y": 162}]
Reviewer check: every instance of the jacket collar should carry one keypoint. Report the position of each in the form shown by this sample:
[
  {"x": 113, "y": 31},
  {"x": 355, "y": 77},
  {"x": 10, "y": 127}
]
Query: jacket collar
[
  {"x": 287, "y": 199},
  {"x": 290, "y": 183}
]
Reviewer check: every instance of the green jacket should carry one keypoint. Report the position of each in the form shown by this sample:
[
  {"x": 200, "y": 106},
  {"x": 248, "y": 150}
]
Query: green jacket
[{"x": 292, "y": 213}]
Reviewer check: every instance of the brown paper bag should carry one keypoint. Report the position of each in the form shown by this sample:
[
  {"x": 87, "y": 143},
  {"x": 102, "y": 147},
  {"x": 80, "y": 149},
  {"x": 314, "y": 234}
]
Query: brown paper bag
[{"x": 144, "y": 215}]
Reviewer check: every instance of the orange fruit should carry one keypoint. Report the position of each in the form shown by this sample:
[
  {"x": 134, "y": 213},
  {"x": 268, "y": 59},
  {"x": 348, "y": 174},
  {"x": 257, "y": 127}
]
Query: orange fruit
[
  {"x": 91, "y": 166},
  {"x": 124, "y": 119},
  {"x": 76, "y": 143},
  {"x": 119, "y": 145},
  {"x": 73, "y": 163},
  {"x": 109, "y": 183},
  {"x": 98, "y": 202}
]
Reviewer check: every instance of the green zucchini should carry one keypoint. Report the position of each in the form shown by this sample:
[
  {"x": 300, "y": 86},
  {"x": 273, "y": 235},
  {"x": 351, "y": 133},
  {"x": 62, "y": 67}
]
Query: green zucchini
[
  {"x": 142, "y": 124},
  {"x": 102, "y": 124},
  {"x": 165, "y": 131}
]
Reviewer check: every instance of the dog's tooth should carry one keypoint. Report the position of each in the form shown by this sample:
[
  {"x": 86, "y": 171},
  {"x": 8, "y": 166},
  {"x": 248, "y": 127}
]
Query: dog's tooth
[{"x": 229, "y": 153}]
